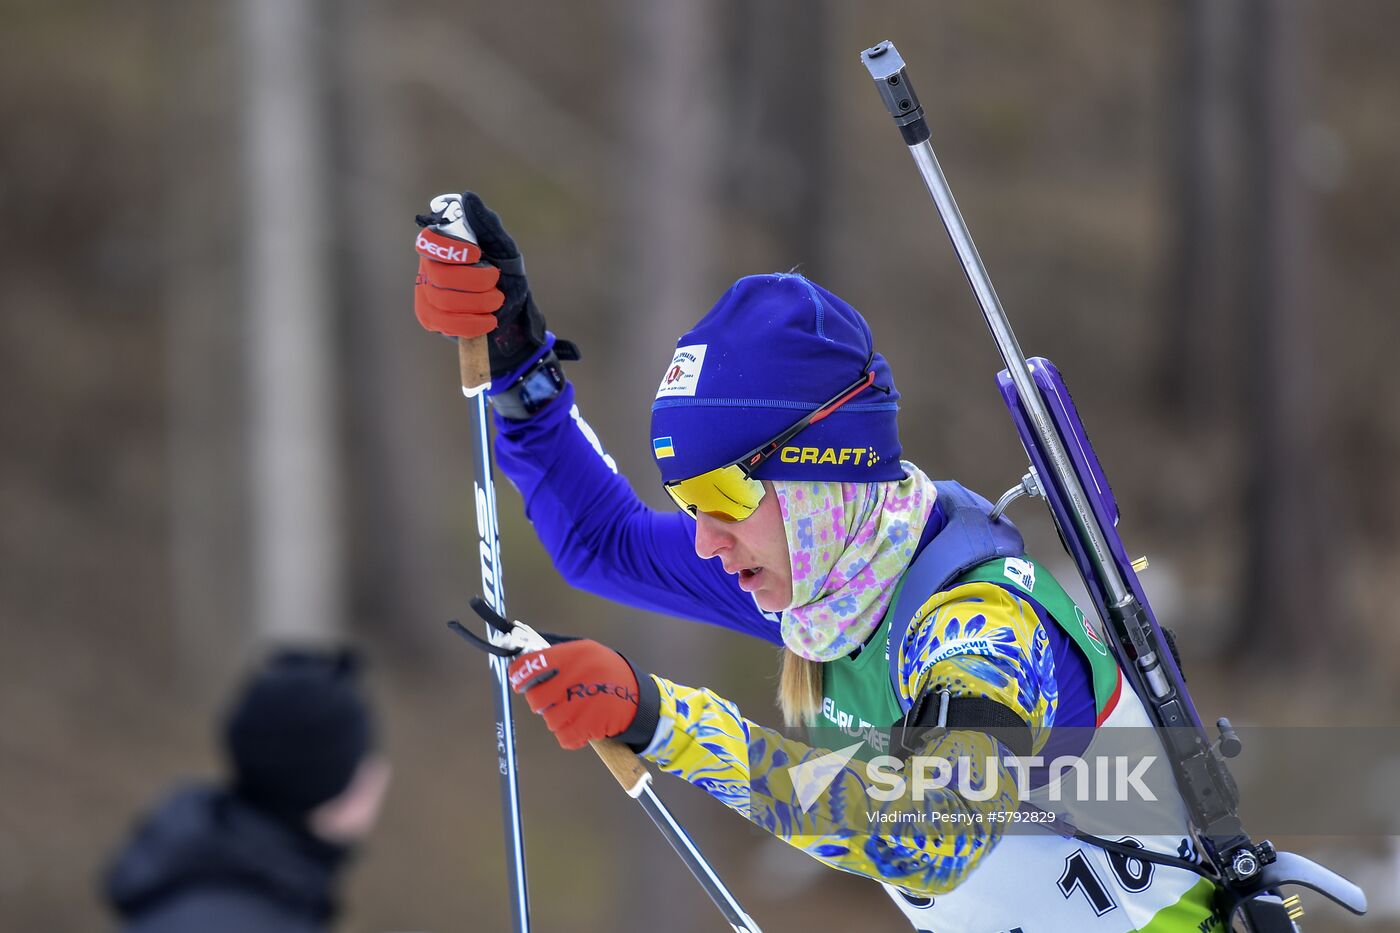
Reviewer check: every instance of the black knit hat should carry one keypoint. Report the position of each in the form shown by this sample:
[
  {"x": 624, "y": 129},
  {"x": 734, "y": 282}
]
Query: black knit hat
[{"x": 297, "y": 731}]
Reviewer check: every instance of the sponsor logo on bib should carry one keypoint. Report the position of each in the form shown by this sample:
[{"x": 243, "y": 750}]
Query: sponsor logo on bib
[
  {"x": 1021, "y": 573},
  {"x": 1089, "y": 630}
]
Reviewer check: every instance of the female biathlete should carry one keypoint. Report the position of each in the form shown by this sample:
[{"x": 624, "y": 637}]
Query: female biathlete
[{"x": 896, "y": 598}]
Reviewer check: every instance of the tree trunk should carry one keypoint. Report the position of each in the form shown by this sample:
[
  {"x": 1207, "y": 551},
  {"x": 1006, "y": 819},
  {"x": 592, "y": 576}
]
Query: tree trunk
[
  {"x": 669, "y": 234},
  {"x": 293, "y": 430},
  {"x": 204, "y": 346},
  {"x": 1287, "y": 579},
  {"x": 778, "y": 156},
  {"x": 1193, "y": 365}
]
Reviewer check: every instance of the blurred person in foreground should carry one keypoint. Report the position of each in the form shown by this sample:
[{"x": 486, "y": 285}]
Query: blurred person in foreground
[
  {"x": 265, "y": 849},
  {"x": 897, "y": 599}
]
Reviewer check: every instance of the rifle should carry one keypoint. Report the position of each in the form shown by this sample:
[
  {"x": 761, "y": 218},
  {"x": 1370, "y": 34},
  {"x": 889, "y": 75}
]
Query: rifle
[{"x": 1065, "y": 472}]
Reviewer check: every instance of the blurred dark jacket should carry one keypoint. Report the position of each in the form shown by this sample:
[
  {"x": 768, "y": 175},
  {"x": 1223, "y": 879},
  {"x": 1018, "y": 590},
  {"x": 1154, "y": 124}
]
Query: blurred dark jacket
[{"x": 207, "y": 861}]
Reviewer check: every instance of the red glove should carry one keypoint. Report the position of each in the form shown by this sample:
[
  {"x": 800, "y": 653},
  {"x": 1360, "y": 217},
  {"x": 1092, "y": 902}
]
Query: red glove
[
  {"x": 455, "y": 293},
  {"x": 584, "y": 691}
]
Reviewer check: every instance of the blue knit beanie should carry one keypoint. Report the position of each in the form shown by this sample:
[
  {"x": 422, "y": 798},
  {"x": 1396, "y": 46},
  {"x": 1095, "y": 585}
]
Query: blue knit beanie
[{"x": 771, "y": 350}]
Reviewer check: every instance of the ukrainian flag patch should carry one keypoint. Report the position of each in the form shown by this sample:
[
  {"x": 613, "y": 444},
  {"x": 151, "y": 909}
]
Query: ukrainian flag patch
[{"x": 662, "y": 447}]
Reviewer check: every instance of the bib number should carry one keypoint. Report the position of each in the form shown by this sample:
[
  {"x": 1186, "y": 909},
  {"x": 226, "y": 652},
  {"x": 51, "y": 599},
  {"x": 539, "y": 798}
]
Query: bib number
[{"x": 1133, "y": 875}]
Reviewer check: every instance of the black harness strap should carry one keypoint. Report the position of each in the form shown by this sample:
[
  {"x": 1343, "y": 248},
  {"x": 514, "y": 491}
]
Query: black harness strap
[{"x": 998, "y": 720}]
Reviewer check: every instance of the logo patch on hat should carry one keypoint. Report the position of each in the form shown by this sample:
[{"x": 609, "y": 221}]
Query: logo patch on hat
[
  {"x": 662, "y": 447},
  {"x": 683, "y": 373}
]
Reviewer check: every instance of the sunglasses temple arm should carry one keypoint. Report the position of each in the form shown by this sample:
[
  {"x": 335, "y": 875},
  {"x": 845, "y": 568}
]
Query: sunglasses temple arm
[{"x": 831, "y": 406}]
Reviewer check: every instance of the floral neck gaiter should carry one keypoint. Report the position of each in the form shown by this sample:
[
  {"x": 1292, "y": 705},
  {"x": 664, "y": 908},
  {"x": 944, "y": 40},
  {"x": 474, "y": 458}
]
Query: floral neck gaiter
[{"x": 850, "y": 543}]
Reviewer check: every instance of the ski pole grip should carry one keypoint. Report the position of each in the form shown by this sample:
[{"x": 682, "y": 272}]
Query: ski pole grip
[
  {"x": 475, "y": 363},
  {"x": 886, "y": 66},
  {"x": 624, "y": 765}
]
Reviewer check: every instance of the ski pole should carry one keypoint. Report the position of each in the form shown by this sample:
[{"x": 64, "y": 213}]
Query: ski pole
[
  {"x": 508, "y": 639},
  {"x": 475, "y": 369},
  {"x": 473, "y": 366}
]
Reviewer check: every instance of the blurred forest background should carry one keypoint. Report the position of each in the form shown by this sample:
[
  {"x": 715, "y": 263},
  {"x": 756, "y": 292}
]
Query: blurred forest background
[{"x": 223, "y": 426}]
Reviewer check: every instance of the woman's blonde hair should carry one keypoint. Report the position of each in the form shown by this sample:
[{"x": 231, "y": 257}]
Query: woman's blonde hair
[{"x": 799, "y": 689}]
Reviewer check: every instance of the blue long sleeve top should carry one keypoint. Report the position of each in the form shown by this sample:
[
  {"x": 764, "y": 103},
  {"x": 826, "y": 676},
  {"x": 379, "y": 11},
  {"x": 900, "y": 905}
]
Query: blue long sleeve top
[{"x": 603, "y": 538}]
